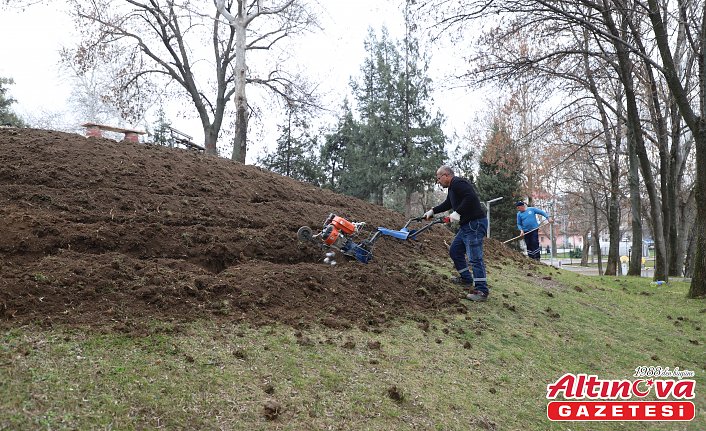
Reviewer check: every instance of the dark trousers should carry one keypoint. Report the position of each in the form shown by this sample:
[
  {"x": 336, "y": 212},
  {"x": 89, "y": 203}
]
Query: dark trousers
[{"x": 532, "y": 243}]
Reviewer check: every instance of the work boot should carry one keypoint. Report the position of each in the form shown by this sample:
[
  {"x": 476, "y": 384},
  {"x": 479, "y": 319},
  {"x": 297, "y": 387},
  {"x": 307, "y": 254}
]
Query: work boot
[
  {"x": 461, "y": 281},
  {"x": 477, "y": 296}
]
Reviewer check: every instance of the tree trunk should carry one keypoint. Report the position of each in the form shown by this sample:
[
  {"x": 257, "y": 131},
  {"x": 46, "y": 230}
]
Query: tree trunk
[
  {"x": 376, "y": 196},
  {"x": 635, "y": 129},
  {"x": 636, "y": 206},
  {"x": 287, "y": 169},
  {"x": 687, "y": 215},
  {"x": 668, "y": 184},
  {"x": 675, "y": 244},
  {"x": 584, "y": 250},
  {"x": 598, "y": 253},
  {"x": 677, "y": 158},
  {"x": 690, "y": 252},
  {"x": 210, "y": 140},
  {"x": 697, "y": 126},
  {"x": 597, "y": 235},
  {"x": 668, "y": 165},
  {"x": 408, "y": 201},
  {"x": 635, "y": 133},
  {"x": 698, "y": 279},
  {"x": 240, "y": 144},
  {"x": 613, "y": 229},
  {"x": 613, "y": 204}
]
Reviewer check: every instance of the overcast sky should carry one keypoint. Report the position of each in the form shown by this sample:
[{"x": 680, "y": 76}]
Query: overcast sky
[
  {"x": 29, "y": 49},
  {"x": 30, "y": 41}
]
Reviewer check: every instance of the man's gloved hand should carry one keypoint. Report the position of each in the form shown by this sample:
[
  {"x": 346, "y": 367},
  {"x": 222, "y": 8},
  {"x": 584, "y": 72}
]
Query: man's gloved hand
[
  {"x": 454, "y": 216},
  {"x": 429, "y": 214}
]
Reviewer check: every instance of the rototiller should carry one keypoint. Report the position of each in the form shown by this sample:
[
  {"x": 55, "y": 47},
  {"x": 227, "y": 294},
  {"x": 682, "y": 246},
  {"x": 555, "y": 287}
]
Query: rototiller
[{"x": 339, "y": 234}]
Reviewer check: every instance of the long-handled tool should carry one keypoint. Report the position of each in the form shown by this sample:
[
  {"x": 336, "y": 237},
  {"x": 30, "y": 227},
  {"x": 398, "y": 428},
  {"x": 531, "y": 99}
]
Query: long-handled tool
[
  {"x": 337, "y": 233},
  {"x": 529, "y": 231}
]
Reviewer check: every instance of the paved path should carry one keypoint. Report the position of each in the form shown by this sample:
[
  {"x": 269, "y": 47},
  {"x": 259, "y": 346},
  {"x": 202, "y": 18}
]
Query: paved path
[{"x": 593, "y": 270}]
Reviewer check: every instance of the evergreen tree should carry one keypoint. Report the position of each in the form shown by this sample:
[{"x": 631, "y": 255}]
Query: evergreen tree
[
  {"x": 421, "y": 148},
  {"x": 375, "y": 96},
  {"x": 500, "y": 175},
  {"x": 7, "y": 116},
  {"x": 465, "y": 160},
  {"x": 400, "y": 145},
  {"x": 295, "y": 155},
  {"x": 337, "y": 151},
  {"x": 162, "y": 135}
]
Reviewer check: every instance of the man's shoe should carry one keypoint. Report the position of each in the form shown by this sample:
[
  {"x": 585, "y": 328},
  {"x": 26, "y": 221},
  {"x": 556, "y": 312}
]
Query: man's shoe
[
  {"x": 461, "y": 281},
  {"x": 477, "y": 296}
]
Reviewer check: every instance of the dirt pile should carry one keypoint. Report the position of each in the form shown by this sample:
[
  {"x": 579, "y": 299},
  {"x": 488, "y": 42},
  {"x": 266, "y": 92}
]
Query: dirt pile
[{"x": 97, "y": 232}]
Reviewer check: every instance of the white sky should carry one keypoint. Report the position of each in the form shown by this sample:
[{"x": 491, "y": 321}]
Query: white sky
[
  {"x": 30, "y": 41},
  {"x": 29, "y": 49}
]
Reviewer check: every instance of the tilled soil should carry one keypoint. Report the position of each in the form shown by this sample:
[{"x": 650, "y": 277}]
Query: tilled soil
[{"x": 115, "y": 234}]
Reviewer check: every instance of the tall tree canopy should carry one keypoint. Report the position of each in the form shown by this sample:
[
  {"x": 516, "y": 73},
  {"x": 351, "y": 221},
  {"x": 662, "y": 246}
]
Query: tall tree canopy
[
  {"x": 398, "y": 144},
  {"x": 500, "y": 175}
]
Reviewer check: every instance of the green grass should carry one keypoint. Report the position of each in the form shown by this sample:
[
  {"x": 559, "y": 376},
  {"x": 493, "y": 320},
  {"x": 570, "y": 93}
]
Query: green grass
[{"x": 486, "y": 369}]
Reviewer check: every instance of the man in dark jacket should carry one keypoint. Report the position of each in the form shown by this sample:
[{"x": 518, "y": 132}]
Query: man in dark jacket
[{"x": 464, "y": 202}]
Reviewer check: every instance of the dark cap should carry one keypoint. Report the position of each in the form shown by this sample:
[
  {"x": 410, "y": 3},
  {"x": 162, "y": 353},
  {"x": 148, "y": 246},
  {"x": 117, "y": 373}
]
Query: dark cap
[{"x": 519, "y": 203}]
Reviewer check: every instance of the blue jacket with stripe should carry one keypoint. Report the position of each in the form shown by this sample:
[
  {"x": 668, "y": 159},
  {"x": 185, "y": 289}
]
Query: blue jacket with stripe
[{"x": 527, "y": 219}]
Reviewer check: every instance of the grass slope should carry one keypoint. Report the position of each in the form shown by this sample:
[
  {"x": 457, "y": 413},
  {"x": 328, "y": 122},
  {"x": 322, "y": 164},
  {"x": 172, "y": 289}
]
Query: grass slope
[{"x": 486, "y": 369}]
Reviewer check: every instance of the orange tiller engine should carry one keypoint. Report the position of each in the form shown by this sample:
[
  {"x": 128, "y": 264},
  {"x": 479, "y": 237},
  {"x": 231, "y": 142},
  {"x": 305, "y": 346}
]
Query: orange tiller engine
[{"x": 336, "y": 225}]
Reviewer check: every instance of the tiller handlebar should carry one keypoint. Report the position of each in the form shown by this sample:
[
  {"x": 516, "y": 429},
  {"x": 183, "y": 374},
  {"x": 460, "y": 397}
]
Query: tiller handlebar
[{"x": 338, "y": 233}]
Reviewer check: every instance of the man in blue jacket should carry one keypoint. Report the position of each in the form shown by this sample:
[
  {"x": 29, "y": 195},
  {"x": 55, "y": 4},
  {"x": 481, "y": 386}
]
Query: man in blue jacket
[
  {"x": 464, "y": 202},
  {"x": 528, "y": 225}
]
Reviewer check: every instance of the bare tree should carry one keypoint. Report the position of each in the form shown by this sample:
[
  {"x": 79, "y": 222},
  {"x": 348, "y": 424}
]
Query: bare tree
[
  {"x": 693, "y": 15},
  {"x": 585, "y": 84},
  {"x": 13, "y": 4},
  {"x": 95, "y": 97},
  {"x": 281, "y": 19},
  {"x": 615, "y": 26},
  {"x": 162, "y": 49},
  {"x": 159, "y": 44}
]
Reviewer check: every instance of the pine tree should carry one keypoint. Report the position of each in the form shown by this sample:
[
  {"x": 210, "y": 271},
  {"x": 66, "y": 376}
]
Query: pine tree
[
  {"x": 337, "y": 151},
  {"x": 400, "y": 145},
  {"x": 295, "y": 155},
  {"x": 374, "y": 153},
  {"x": 500, "y": 175},
  {"x": 421, "y": 148},
  {"x": 161, "y": 134}
]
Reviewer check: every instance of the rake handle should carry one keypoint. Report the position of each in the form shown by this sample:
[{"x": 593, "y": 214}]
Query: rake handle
[{"x": 520, "y": 236}]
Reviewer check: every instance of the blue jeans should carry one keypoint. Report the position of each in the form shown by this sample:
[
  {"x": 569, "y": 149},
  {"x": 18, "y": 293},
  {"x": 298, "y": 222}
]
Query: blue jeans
[{"x": 469, "y": 242}]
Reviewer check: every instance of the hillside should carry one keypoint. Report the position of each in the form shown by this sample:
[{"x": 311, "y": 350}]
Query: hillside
[
  {"x": 153, "y": 288},
  {"x": 98, "y": 232}
]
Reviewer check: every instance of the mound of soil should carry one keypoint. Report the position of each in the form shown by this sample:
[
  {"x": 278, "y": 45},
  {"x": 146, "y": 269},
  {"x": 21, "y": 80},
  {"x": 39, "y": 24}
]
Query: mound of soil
[{"x": 98, "y": 232}]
